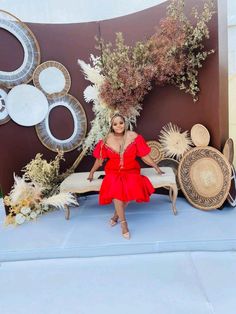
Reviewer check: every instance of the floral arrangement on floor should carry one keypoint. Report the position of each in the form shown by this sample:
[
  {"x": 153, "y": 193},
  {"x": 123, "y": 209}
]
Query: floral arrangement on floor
[
  {"x": 123, "y": 75},
  {"x": 37, "y": 192}
]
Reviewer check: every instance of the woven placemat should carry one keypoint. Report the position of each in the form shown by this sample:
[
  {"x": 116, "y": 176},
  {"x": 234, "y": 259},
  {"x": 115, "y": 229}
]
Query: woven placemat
[
  {"x": 156, "y": 150},
  {"x": 228, "y": 150},
  {"x": 200, "y": 135},
  {"x": 205, "y": 176},
  {"x": 231, "y": 198}
]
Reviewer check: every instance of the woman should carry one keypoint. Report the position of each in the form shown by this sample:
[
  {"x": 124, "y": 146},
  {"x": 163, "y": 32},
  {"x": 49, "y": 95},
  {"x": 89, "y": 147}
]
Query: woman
[{"x": 123, "y": 181}]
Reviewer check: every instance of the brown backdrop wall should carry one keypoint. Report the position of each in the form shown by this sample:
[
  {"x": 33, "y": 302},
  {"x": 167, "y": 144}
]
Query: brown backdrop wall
[{"x": 67, "y": 43}]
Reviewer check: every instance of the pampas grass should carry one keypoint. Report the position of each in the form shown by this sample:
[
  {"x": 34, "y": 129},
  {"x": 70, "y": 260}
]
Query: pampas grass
[
  {"x": 91, "y": 73},
  {"x": 22, "y": 190},
  {"x": 60, "y": 200}
]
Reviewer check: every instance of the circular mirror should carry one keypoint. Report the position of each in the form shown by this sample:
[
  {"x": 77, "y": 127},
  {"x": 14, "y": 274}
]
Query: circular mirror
[
  {"x": 4, "y": 116},
  {"x": 31, "y": 51},
  {"x": 52, "y": 78},
  {"x": 77, "y": 112}
]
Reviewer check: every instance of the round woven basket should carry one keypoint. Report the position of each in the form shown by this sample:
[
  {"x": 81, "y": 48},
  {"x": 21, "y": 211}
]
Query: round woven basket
[
  {"x": 156, "y": 151},
  {"x": 200, "y": 135},
  {"x": 172, "y": 163},
  {"x": 228, "y": 150},
  {"x": 204, "y": 175}
]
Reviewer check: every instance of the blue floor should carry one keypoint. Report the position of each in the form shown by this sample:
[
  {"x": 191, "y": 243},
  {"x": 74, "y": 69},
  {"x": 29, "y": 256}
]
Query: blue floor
[
  {"x": 152, "y": 225},
  {"x": 166, "y": 283},
  {"x": 188, "y": 263}
]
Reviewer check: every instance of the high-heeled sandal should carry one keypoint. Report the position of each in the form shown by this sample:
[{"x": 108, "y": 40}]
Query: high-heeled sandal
[
  {"x": 114, "y": 221},
  {"x": 126, "y": 235}
]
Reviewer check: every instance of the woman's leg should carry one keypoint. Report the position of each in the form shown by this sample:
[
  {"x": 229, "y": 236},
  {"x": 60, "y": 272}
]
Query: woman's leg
[
  {"x": 120, "y": 210},
  {"x": 114, "y": 219}
]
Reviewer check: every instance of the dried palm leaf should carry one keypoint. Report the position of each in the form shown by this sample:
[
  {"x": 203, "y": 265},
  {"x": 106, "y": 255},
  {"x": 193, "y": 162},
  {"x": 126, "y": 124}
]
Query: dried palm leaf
[{"x": 174, "y": 143}]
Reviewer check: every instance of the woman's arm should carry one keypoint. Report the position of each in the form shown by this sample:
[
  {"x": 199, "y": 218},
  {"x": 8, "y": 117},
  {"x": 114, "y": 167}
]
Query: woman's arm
[
  {"x": 148, "y": 160},
  {"x": 97, "y": 164}
]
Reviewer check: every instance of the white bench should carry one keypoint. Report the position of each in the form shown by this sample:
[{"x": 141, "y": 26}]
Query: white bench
[{"x": 78, "y": 183}]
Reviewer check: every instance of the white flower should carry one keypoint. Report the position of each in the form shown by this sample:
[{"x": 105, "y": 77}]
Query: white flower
[
  {"x": 33, "y": 215},
  {"x": 90, "y": 93},
  {"x": 19, "y": 219},
  {"x": 38, "y": 211},
  {"x": 25, "y": 210}
]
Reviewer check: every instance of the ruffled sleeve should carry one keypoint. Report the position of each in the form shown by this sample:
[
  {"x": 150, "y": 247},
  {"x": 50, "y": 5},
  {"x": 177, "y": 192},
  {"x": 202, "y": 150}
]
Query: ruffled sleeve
[
  {"x": 142, "y": 148},
  {"x": 100, "y": 150}
]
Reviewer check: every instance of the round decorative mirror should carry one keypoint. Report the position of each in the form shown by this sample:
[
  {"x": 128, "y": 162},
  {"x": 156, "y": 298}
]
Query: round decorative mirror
[
  {"x": 30, "y": 46},
  {"x": 79, "y": 125},
  {"x": 52, "y": 78},
  {"x": 4, "y": 116}
]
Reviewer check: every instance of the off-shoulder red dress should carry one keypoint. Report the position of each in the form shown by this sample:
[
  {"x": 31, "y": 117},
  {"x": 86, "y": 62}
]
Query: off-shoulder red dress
[{"x": 124, "y": 182}]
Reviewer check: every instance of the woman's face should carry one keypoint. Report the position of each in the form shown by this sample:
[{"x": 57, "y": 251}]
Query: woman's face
[{"x": 118, "y": 125}]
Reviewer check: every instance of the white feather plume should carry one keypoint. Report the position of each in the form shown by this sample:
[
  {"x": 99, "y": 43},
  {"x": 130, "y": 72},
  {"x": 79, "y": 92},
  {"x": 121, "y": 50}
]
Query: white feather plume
[
  {"x": 91, "y": 74},
  {"x": 20, "y": 190},
  {"x": 60, "y": 200}
]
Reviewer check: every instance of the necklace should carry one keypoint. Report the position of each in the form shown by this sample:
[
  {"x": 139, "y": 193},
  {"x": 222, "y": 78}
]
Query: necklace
[{"x": 121, "y": 151}]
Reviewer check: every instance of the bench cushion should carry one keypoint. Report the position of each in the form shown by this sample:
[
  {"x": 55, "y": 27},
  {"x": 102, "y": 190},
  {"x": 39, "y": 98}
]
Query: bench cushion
[{"x": 78, "y": 183}]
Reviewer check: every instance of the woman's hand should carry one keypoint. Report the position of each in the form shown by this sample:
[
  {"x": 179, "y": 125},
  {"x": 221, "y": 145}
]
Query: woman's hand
[
  {"x": 159, "y": 171},
  {"x": 90, "y": 177}
]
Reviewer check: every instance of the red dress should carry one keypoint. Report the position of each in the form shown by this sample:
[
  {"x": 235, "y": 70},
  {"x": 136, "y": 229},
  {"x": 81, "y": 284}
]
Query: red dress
[{"x": 124, "y": 183}]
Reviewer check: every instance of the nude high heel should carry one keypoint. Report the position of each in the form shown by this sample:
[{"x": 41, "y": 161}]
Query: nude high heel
[
  {"x": 114, "y": 221},
  {"x": 126, "y": 235}
]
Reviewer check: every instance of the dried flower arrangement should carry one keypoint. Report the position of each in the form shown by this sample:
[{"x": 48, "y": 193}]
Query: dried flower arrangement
[
  {"x": 45, "y": 173},
  {"x": 37, "y": 191},
  {"x": 123, "y": 75}
]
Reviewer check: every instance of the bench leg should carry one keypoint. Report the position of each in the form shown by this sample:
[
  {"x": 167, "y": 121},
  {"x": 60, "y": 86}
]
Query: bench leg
[
  {"x": 67, "y": 209},
  {"x": 67, "y": 212},
  {"x": 173, "y": 196}
]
